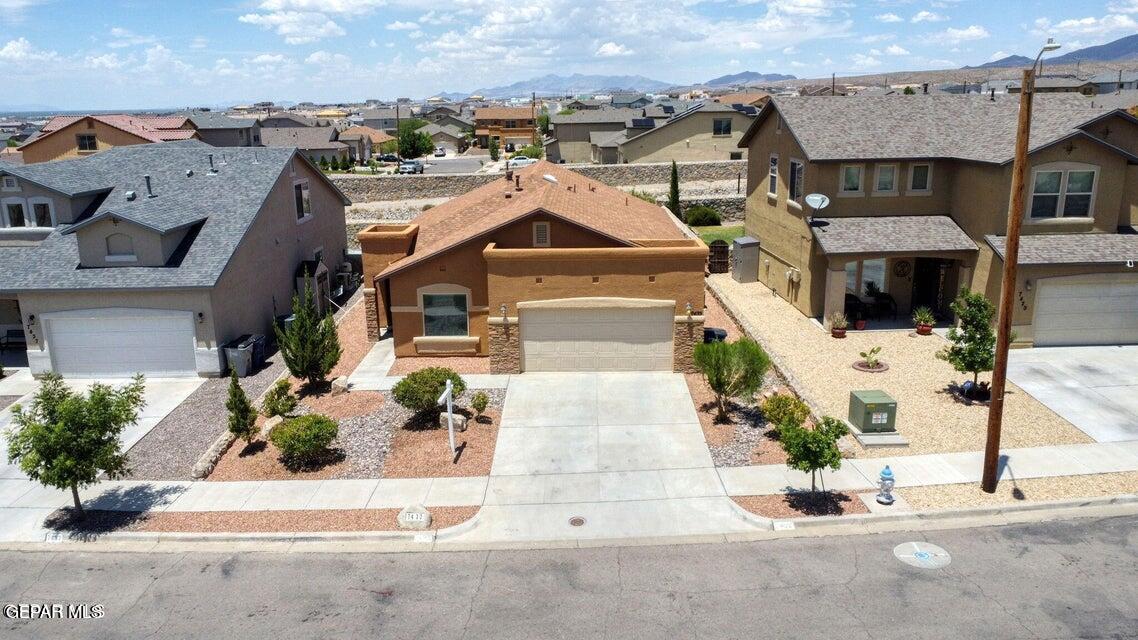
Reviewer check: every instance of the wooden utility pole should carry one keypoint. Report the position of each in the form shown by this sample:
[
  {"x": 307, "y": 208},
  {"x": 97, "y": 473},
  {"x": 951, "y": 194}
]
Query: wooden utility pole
[
  {"x": 533, "y": 117},
  {"x": 1008, "y": 288}
]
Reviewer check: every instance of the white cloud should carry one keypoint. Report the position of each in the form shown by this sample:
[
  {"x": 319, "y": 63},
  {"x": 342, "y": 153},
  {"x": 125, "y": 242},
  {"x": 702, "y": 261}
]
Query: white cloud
[
  {"x": 20, "y": 50},
  {"x": 1123, "y": 6},
  {"x": 108, "y": 61},
  {"x": 941, "y": 63},
  {"x": 877, "y": 37},
  {"x": 415, "y": 35},
  {"x": 401, "y": 26},
  {"x": 1089, "y": 26},
  {"x": 999, "y": 55},
  {"x": 120, "y": 38},
  {"x": 199, "y": 42},
  {"x": 862, "y": 61},
  {"x": 953, "y": 35},
  {"x": 372, "y": 43},
  {"x": 895, "y": 50},
  {"x": 612, "y": 50},
  {"x": 326, "y": 58},
  {"x": 889, "y": 17},
  {"x": 294, "y": 26},
  {"x": 927, "y": 16},
  {"x": 789, "y": 51}
]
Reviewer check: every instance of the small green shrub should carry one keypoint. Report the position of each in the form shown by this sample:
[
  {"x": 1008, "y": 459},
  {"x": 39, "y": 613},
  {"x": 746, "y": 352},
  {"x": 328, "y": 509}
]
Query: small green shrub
[
  {"x": 420, "y": 391},
  {"x": 242, "y": 415},
  {"x": 783, "y": 409},
  {"x": 304, "y": 439},
  {"x": 534, "y": 151},
  {"x": 643, "y": 195},
  {"x": 702, "y": 216},
  {"x": 479, "y": 402},
  {"x": 279, "y": 400}
]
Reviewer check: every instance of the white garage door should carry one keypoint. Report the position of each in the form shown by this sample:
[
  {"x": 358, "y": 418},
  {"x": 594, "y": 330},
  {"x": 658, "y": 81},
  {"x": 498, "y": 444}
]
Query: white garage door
[
  {"x": 1087, "y": 310},
  {"x": 601, "y": 339},
  {"x": 120, "y": 342}
]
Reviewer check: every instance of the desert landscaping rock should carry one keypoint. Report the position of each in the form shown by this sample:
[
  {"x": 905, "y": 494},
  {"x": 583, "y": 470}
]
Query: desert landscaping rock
[
  {"x": 414, "y": 517},
  {"x": 208, "y": 460},
  {"x": 459, "y": 421},
  {"x": 340, "y": 385},
  {"x": 269, "y": 425}
]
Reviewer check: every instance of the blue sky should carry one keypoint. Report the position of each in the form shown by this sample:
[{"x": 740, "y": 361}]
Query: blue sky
[{"x": 105, "y": 54}]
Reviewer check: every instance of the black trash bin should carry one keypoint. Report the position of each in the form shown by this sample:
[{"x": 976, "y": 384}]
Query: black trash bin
[
  {"x": 714, "y": 334},
  {"x": 260, "y": 346}
]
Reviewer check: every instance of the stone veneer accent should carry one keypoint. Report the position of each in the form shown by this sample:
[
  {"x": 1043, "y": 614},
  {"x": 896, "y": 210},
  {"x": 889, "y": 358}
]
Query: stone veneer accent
[
  {"x": 372, "y": 188},
  {"x": 504, "y": 345},
  {"x": 688, "y": 333},
  {"x": 371, "y": 311}
]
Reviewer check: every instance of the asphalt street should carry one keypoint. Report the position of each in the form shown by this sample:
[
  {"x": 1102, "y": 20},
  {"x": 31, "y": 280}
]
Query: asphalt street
[
  {"x": 1072, "y": 579},
  {"x": 453, "y": 164}
]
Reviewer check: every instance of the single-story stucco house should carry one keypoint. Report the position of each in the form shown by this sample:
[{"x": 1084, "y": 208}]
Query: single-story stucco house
[{"x": 542, "y": 270}]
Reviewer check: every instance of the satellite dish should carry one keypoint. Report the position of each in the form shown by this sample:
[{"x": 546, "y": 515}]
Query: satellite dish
[{"x": 817, "y": 201}]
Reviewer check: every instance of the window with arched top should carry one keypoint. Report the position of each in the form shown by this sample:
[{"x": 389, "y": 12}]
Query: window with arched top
[{"x": 120, "y": 248}]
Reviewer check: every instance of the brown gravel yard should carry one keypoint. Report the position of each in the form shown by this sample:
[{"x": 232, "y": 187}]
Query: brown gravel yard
[
  {"x": 930, "y": 417},
  {"x": 960, "y": 496},
  {"x": 797, "y": 505},
  {"x": 461, "y": 365},
  {"x": 250, "y": 521},
  {"x": 425, "y": 453},
  {"x": 746, "y": 440}
]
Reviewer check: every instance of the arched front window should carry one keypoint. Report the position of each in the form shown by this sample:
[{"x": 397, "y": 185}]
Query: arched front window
[{"x": 120, "y": 247}]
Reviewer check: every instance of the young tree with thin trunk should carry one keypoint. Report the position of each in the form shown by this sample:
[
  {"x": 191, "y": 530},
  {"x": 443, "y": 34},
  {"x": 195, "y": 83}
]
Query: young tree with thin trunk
[
  {"x": 732, "y": 370},
  {"x": 811, "y": 450},
  {"x": 973, "y": 348},
  {"x": 65, "y": 439}
]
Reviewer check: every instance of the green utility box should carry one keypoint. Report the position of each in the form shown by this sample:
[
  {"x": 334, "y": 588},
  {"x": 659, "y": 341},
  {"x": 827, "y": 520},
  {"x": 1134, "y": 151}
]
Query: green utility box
[{"x": 873, "y": 411}]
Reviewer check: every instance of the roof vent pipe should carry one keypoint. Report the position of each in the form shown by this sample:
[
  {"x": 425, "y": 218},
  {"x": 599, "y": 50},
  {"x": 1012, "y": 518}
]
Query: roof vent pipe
[
  {"x": 925, "y": 88},
  {"x": 992, "y": 94},
  {"x": 509, "y": 175},
  {"x": 212, "y": 169},
  {"x": 517, "y": 183},
  {"x": 149, "y": 191}
]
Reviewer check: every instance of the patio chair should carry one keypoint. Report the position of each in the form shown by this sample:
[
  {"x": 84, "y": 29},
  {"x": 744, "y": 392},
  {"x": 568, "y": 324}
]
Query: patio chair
[
  {"x": 855, "y": 308},
  {"x": 883, "y": 304}
]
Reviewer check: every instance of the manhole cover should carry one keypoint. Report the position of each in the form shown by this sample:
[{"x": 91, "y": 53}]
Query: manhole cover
[
  {"x": 576, "y": 521},
  {"x": 922, "y": 555}
]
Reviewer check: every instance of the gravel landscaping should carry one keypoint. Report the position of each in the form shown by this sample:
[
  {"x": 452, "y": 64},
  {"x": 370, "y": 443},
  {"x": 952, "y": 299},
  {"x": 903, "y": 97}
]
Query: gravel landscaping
[
  {"x": 799, "y": 504},
  {"x": 962, "y": 496},
  {"x": 425, "y": 453},
  {"x": 747, "y": 439},
  {"x": 462, "y": 365},
  {"x": 300, "y": 521},
  {"x": 928, "y": 414}
]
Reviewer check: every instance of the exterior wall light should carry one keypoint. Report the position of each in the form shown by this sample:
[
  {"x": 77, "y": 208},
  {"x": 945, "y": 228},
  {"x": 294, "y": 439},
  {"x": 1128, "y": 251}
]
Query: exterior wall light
[
  {"x": 688, "y": 308},
  {"x": 502, "y": 309}
]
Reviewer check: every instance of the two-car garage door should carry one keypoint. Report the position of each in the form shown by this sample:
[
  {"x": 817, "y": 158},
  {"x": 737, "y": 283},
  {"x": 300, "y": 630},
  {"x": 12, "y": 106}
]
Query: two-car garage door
[
  {"x": 1087, "y": 310},
  {"x": 597, "y": 339},
  {"x": 120, "y": 342}
]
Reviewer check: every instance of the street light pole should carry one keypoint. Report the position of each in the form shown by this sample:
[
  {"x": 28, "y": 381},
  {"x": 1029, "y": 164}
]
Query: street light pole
[{"x": 1008, "y": 287}]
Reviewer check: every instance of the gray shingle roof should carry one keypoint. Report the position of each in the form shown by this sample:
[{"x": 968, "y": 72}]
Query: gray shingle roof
[
  {"x": 967, "y": 127},
  {"x": 449, "y": 129},
  {"x": 300, "y": 137},
  {"x": 215, "y": 120},
  {"x": 228, "y": 201},
  {"x": 890, "y": 234},
  {"x": 595, "y": 116},
  {"x": 1072, "y": 248}
]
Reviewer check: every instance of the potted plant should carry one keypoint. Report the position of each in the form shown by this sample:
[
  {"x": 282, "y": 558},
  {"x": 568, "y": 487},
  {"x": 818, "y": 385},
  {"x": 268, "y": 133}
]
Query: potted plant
[
  {"x": 838, "y": 324},
  {"x": 860, "y": 323},
  {"x": 924, "y": 319}
]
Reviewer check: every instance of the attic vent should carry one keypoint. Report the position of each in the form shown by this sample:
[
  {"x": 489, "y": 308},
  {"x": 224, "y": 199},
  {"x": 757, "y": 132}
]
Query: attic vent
[
  {"x": 189, "y": 173},
  {"x": 549, "y": 178},
  {"x": 541, "y": 234},
  {"x": 131, "y": 195}
]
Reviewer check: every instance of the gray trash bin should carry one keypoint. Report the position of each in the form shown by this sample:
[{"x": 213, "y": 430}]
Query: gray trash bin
[{"x": 239, "y": 355}]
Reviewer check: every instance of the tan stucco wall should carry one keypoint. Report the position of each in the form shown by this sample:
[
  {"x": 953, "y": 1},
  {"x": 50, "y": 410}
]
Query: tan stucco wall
[
  {"x": 687, "y": 139},
  {"x": 573, "y": 138},
  {"x": 150, "y": 248},
  {"x": 62, "y": 143},
  {"x": 258, "y": 283}
]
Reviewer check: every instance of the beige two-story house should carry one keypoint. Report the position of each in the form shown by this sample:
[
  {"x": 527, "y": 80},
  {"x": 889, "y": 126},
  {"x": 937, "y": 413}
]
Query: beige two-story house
[{"x": 919, "y": 193}]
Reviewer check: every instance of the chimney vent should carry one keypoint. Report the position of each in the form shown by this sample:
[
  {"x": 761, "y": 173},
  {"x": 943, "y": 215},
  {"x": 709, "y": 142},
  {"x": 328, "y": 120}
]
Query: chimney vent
[
  {"x": 509, "y": 175},
  {"x": 517, "y": 183},
  {"x": 925, "y": 88},
  {"x": 149, "y": 190},
  {"x": 992, "y": 94}
]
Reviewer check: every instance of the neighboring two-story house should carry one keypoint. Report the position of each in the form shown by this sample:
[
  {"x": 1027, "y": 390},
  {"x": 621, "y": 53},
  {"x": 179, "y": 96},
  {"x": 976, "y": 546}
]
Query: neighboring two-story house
[
  {"x": 919, "y": 193},
  {"x": 76, "y": 136},
  {"x": 385, "y": 119},
  {"x": 573, "y": 132},
  {"x": 148, "y": 258},
  {"x": 316, "y": 143},
  {"x": 510, "y": 125},
  {"x": 219, "y": 130}
]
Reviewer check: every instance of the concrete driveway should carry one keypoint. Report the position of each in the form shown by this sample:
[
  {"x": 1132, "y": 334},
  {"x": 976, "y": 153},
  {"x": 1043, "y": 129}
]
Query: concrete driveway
[
  {"x": 1094, "y": 388},
  {"x": 162, "y": 396}
]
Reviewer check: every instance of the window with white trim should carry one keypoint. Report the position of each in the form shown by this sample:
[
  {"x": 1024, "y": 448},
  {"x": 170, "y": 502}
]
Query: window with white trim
[
  {"x": 797, "y": 169},
  {"x": 541, "y": 234},
  {"x": 42, "y": 212},
  {"x": 14, "y": 213},
  {"x": 772, "y": 181},
  {"x": 1063, "y": 190},
  {"x": 86, "y": 142},
  {"x": 885, "y": 179},
  {"x": 850, "y": 178},
  {"x": 445, "y": 314},
  {"x": 920, "y": 177},
  {"x": 303, "y": 201}
]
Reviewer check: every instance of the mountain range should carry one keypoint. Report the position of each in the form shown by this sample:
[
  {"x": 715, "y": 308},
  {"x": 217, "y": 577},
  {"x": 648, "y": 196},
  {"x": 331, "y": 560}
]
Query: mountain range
[
  {"x": 1125, "y": 48},
  {"x": 553, "y": 84},
  {"x": 747, "y": 77}
]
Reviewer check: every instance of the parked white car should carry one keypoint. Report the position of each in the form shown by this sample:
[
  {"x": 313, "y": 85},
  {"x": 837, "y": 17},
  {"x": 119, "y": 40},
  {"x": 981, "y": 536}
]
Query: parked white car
[{"x": 519, "y": 162}]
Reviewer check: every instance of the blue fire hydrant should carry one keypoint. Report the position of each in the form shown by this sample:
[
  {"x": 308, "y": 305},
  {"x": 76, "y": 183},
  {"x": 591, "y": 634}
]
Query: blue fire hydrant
[{"x": 885, "y": 483}]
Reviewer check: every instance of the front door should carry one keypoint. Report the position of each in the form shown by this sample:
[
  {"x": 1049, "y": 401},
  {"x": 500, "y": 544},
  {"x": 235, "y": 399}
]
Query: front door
[{"x": 928, "y": 284}]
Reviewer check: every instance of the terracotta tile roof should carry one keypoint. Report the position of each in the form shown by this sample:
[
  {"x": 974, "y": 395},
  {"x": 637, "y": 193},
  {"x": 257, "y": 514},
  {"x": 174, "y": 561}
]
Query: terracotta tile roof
[
  {"x": 377, "y": 136},
  {"x": 503, "y": 113},
  {"x": 573, "y": 197},
  {"x": 152, "y": 129}
]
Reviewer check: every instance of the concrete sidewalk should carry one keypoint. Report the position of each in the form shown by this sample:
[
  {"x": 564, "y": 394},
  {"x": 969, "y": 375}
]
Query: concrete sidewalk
[{"x": 371, "y": 374}]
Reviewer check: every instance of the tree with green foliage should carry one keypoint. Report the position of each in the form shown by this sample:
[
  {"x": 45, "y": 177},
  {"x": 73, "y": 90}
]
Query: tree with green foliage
[
  {"x": 65, "y": 439},
  {"x": 391, "y": 146},
  {"x": 973, "y": 347},
  {"x": 279, "y": 400},
  {"x": 412, "y": 141},
  {"x": 323, "y": 164},
  {"x": 242, "y": 415},
  {"x": 566, "y": 112},
  {"x": 811, "y": 450},
  {"x": 909, "y": 91},
  {"x": 674, "y": 192},
  {"x": 732, "y": 370},
  {"x": 494, "y": 150},
  {"x": 479, "y": 402},
  {"x": 309, "y": 345},
  {"x": 419, "y": 391},
  {"x": 534, "y": 151},
  {"x": 543, "y": 122}
]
